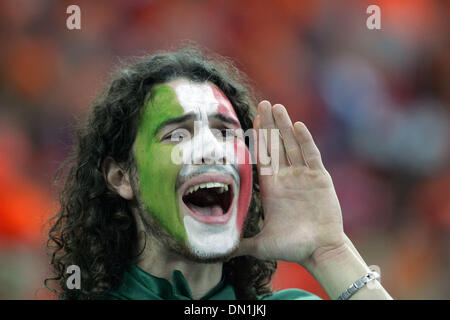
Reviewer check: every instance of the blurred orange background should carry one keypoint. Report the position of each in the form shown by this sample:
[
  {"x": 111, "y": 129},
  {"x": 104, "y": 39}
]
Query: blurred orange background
[{"x": 376, "y": 101}]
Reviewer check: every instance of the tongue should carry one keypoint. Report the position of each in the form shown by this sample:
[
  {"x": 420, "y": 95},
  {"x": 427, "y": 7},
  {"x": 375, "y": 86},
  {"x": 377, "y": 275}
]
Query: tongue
[{"x": 206, "y": 211}]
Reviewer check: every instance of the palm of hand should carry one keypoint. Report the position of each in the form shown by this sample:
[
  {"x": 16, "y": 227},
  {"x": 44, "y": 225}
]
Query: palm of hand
[{"x": 302, "y": 212}]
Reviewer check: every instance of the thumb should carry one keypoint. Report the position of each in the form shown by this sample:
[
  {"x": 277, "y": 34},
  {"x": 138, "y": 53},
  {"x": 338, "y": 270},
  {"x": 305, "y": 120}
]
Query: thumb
[{"x": 247, "y": 246}]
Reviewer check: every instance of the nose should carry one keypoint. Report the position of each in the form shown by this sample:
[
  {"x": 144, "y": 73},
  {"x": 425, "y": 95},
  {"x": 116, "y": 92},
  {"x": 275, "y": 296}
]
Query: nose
[{"x": 208, "y": 149}]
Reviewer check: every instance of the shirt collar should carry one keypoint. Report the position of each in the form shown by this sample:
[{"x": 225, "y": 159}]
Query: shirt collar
[{"x": 139, "y": 285}]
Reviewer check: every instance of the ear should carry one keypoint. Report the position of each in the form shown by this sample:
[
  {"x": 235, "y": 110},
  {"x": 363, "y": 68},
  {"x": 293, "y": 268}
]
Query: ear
[{"x": 117, "y": 179}]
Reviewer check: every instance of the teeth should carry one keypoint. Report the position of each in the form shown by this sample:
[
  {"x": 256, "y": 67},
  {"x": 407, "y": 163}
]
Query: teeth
[{"x": 222, "y": 187}]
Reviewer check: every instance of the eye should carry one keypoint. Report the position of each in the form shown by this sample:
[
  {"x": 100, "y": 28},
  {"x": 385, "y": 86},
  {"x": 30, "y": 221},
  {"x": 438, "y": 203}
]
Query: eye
[
  {"x": 223, "y": 133},
  {"x": 227, "y": 133},
  {"x": 177, "y": 135}
]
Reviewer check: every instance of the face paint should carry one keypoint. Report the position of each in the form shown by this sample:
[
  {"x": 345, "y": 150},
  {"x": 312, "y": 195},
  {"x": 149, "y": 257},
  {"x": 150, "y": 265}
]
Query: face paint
[
  {"x": 157, "y": 174},
  {"x": 225, "y": 106},
  {"x": 243, "y": 160},
  {"x": 245, "y": 172},
  {"x": 207, "y": 230}
]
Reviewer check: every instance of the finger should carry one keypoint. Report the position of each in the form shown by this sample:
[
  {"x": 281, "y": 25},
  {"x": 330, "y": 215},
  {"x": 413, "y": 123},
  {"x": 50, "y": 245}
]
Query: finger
[
  {"x": 257, "y": 122},
  {"x": 275, "y": 149},
  {"x": 254, "y": 150},
  {"x": 262, "y": 157},
  {"x": 311, "y": 153},
  {"x": 291, "y": 146}
]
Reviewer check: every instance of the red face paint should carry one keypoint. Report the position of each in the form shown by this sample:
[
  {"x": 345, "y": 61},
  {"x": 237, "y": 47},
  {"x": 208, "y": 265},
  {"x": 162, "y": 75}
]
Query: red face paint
[
  {"x": 245, "y": 172},
  {"x": 242, "y": 156},
  {"x": 225, "y": 106}
]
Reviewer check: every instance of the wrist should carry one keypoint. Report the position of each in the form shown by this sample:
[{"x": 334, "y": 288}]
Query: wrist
[
  {"x": 336, "y": 269},
  {"x": 322, "y": 259},
  {"x": 339, "y": 267}
]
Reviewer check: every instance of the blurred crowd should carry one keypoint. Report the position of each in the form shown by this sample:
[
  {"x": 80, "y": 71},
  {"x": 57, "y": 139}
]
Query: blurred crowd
[{"x": 376, "y": 101}]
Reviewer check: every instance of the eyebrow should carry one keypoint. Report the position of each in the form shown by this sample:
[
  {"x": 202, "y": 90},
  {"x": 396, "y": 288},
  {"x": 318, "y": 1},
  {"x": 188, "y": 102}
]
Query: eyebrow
[
  {"x": 184, "y": 118},
  {"x": 227, "y": 119},
  {"x": 193, "y": 116}
]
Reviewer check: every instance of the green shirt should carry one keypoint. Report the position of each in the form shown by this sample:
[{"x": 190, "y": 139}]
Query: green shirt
[{"x": 140, "y": 285}]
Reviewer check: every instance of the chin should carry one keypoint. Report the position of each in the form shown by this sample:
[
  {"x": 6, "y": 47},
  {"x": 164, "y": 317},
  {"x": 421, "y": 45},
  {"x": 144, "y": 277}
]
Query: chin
[
  {"x": 212, "y": 241},
  {"x": 210, "y": 255}
]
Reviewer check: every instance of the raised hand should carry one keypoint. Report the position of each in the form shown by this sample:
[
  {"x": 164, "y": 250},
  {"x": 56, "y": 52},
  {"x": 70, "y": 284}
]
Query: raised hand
[{"x": 302, "y": 213}]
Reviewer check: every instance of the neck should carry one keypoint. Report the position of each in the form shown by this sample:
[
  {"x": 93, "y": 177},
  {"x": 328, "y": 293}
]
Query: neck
[{"x": 160, "y": 262}]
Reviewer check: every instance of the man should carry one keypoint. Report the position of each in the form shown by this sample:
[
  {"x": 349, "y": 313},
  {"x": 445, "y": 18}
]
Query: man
[{"x": 161, "y": 200}]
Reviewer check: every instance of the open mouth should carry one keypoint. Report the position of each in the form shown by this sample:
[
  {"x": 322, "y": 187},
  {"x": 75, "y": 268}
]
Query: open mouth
[{"x": 209, "y": 201}]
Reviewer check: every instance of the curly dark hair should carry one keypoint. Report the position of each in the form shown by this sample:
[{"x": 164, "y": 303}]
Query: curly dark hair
[{"x": 95, "y": 228}]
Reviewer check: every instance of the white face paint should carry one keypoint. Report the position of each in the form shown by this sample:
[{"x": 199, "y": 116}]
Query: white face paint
[
  {"x": 206, "y": 237},
  {"x": 208, "y": 241},
  {"x": 195, "y": 97}
]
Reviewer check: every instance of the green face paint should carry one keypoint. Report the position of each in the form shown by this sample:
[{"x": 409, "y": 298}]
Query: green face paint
[{"x": 157, "y": 173}]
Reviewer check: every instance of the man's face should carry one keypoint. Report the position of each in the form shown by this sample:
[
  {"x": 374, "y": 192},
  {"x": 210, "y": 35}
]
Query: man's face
[{"x": 202, "y": 198}]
